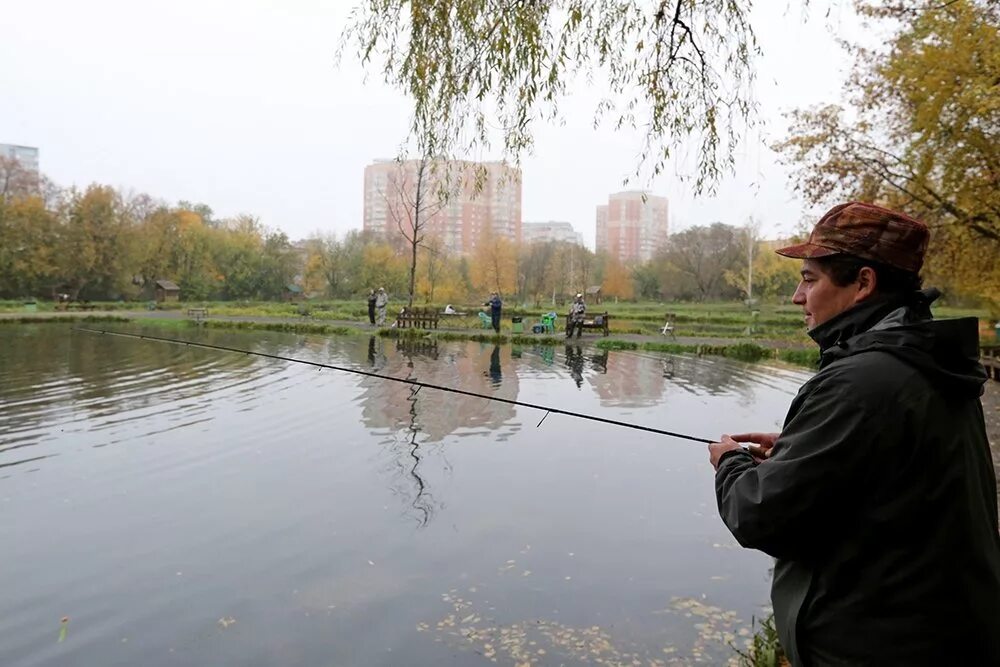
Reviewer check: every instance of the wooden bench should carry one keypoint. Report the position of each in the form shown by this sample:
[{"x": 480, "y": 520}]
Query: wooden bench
[
  {"x": 599, "y": 322},
  {"x": 417, "y": 318},
  {"x": 457, "y": 319},
  {"x": 198, "y": 313}
]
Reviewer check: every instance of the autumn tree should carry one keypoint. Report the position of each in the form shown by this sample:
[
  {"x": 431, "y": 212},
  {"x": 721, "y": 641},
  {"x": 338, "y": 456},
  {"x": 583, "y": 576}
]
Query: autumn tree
[
  {"x": 494, "y": 266},
  {"x": 646, "y": 279},
  {"x": 382, "y": 266},
  {"x": 539, "y": 268},
  {"x": 676, "y": 69},
  {"x": 152, "y": 248},
  {"x": 703, "y": 255},
  {"x": 278, "y": 264},
  {"x": 94, "y": 240},
  {"x": 324, "y": 269},
  {"x": 29, "y": 247},
  {"x": 617, "y": 279},
  {"x": 921, "y": 133},
  {"x": 237, "y": 250},
  {"x": 441, "y": 280}
]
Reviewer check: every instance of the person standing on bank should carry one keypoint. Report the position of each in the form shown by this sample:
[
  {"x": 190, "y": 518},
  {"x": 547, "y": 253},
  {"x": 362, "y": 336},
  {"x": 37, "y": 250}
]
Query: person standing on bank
[
  {"x": 577, "y": 312},
  {"x": 878, "y": 499},
  {"x": 381, "y": 300},
  {"x": 371, "y": 307},
  {"x": 495, "y": 305}
]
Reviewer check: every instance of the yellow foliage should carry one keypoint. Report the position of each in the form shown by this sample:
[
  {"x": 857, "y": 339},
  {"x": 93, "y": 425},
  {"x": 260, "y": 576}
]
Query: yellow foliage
[
  {"x": 494, "y": 265},
  {"x": 617, "y": 280},
  {"x": 926, "y": 139}
]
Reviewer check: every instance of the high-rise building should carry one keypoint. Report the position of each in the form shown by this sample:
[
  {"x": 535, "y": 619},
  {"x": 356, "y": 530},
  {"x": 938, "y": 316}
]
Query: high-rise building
[
  {"x": 460, "y": 222},
  {"x": 543, "y": 232},
  {"x": 632, "y": 226},
  {"x": 26, "y": 156}
]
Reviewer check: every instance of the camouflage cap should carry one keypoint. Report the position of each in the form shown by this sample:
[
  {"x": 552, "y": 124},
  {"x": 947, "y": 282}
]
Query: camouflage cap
[{"x": 866, "y": 231}]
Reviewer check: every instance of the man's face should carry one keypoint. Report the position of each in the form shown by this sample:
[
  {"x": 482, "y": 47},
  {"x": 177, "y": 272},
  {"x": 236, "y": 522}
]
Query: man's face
[{"x": 820, "y": 297}]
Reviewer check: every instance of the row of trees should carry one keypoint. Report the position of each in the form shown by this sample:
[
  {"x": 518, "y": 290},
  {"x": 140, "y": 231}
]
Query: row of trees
[
  {"x": 100, "y": 243},
  {"x": 701, "y": 263}
]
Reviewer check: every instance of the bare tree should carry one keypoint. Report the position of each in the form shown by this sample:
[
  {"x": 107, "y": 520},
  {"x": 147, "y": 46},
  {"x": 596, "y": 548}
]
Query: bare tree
[
  {"x": 412, "y": 199},
  {"x": 15, "y": 180}
]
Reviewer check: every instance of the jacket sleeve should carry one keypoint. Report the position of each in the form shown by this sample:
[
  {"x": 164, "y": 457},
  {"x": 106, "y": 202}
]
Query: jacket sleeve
[{"x": 789, "y": 505}]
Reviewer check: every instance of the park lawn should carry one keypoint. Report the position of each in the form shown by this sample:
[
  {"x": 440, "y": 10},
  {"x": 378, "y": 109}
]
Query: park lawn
[{"x": 769, "y": 321}]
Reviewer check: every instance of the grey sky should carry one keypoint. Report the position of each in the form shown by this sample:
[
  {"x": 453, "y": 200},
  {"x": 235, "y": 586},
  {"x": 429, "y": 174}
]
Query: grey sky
[{"x": 239, "y": 106}]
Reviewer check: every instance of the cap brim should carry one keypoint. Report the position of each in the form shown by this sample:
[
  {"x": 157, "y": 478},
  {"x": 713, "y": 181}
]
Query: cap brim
[{"x": 806, "y": 251}]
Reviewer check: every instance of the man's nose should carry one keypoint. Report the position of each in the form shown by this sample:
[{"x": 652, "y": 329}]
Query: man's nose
[{"x": 799, "y": 298}]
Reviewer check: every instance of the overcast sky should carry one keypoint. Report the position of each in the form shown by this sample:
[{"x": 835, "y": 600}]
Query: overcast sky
[{"x": 240, "y": 106}]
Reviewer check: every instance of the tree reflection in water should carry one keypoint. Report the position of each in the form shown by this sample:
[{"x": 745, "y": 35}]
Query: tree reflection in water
[{"x": 409, "y": 481}]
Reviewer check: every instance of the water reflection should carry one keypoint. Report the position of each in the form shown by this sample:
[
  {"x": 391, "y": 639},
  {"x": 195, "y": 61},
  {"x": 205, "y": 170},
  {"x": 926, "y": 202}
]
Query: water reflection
[
  {"x": 495, "y": 373},
  {"x": 385, "y": 406},
  {"x": 332, "y": 514},
  {"x": 107, "y": 390},
  {"x": 412, "y": 483},
  {"x": 376, "y": 355},
  {"x": 574, "y": 362},
  {"x": 417, "y": 347}
]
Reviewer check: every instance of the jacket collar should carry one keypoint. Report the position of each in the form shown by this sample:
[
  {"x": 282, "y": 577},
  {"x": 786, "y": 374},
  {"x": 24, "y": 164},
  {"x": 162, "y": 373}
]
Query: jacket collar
[{"x": 869, "y": 313}]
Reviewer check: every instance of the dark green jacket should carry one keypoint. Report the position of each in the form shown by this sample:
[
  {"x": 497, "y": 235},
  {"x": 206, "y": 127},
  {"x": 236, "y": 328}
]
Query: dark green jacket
[{"x": 879, "y": 502}]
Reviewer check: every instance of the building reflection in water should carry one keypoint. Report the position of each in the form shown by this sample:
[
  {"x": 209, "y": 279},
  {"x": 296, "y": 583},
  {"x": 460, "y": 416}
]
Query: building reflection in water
[
  {"x": 415, "y": 421},
  {"x": 416, "y": 424}
]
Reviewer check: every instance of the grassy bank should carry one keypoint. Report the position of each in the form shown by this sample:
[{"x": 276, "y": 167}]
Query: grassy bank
[{"x": 730, "y": 320}]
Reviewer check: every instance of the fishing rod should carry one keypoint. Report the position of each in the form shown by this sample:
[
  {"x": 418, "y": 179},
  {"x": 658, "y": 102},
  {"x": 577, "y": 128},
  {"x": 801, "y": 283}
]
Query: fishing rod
[{"x": 420, "y": 385}]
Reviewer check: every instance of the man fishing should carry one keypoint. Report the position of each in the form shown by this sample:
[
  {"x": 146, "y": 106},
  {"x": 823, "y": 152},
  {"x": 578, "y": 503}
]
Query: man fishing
[{"x": 878, "y": 499}]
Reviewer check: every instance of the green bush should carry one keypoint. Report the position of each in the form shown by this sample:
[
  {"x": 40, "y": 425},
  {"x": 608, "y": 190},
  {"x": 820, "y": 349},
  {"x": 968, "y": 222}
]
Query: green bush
[{"x": 807, "y": 357}]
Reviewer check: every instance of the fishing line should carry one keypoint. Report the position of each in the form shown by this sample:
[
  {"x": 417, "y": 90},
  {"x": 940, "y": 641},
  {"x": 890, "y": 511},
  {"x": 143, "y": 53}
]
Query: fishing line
[{"x": 416, "y": 383}]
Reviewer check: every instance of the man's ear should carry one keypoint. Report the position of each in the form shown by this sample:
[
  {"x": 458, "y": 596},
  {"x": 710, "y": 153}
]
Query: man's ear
[{"x": 867, "y": 282}]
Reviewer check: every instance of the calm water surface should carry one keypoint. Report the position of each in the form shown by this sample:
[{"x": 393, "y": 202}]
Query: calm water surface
[{"x": 186, "y": 507}]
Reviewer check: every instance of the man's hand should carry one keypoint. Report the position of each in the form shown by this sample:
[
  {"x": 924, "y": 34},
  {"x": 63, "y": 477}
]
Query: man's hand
[
  {"x": 760, "y": 450},
  {"x": 717, "y": 449},
  {"x": 762, "y": 444}
]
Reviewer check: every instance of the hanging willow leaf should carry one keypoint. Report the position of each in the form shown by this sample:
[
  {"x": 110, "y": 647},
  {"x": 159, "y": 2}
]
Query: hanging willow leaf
[{"x": 676, "y": 70}]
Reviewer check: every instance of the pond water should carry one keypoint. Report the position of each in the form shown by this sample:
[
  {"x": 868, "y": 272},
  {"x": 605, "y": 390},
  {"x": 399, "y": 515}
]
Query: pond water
[{"x": 184, "y": 506}]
